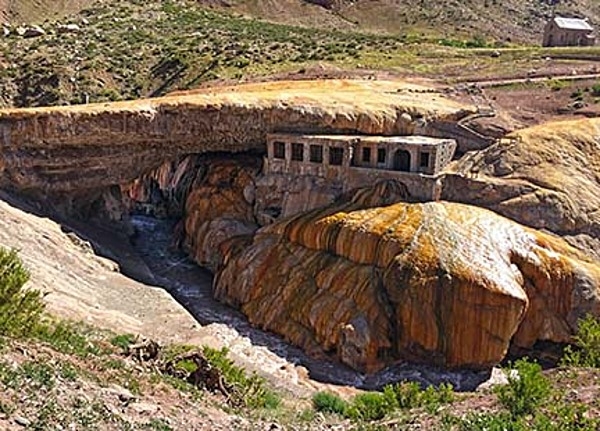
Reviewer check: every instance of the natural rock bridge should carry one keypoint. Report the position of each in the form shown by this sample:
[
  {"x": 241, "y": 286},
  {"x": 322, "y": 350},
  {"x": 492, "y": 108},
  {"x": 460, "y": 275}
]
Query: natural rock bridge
[{"x": 77, "y": 148}]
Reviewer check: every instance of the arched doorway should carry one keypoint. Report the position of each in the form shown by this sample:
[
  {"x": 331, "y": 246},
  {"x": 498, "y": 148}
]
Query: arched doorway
[{"x": 402, "y": 161}]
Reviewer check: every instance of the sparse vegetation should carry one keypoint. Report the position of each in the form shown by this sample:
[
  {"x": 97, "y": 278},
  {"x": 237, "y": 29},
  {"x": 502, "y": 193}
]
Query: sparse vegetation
[
  {"x": 373, "y": 406},
  {"x": 20, "y": 308},
  {"x": 527, "y": 402},
  {"x": 586, "y": 351},
  {"x": 526, "y": 390}
]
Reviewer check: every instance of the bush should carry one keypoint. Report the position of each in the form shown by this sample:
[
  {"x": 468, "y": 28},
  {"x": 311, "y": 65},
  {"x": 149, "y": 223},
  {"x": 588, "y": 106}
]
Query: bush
[
  {"x": 68, "y": 337},
  {"x": 596, "y": 90},
  {"x": 370, "y": 406},
  {"x": 329, "y": 403},
  {"x": 251, "y": 391},
  {"x": 409, "y": 395},
  {"x": 566, "y": 418},
  {"x": 20, "y": 309},
  {"x": 491, "y": 422},
  {"x": 526, "y": 390},
  {"x": 587, "y": 345}
]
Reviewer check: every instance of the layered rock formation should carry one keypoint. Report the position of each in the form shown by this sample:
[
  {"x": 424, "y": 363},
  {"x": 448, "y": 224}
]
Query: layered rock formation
[
  {"x": 440, "y": 283},
  {"x": 546, "y": 177},
  {"x": 75, "y": 148}
]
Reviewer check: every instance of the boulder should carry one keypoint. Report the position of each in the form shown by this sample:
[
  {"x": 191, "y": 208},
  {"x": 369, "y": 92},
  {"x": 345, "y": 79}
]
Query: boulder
[
  {"x": 546, "y": 177},
  {"x": 34, "y": 31},
  {"x": 68, "y": 28},
  {"x": 437, "y": 283}
]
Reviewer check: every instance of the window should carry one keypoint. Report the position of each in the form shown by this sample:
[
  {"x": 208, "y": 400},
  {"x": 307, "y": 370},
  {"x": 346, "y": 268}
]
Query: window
[
  {"x": 424, "y": 160},
  {"x": 297, "y": 152},
  {"x": 381, "y": 155},
  {"x": 316, "y": 153},
  {"x": 279, "y": 150},
  {"x": 336, "y": 156},
  {"x": 366, "y": 155}
]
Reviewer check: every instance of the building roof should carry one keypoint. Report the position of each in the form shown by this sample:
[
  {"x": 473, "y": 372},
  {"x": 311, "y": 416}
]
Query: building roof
[
  {"x": 370, "y": 139},
  {"x": 573, "y": 23}
]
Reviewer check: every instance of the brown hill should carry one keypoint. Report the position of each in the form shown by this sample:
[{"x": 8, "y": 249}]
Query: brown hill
[
  {"x": 508, "y": 20},
  {"x": 26, "y": 11}
]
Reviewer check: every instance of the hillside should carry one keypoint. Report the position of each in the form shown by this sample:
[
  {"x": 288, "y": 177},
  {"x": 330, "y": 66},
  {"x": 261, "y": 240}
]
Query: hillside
[
  {"x": 517, "y": 21},
  {"x": 120, "y": 49},
  {"x": 30, "y": 11}
]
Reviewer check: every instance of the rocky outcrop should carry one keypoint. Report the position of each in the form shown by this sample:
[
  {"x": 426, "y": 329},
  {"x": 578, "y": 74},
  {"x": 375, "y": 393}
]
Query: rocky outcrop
[
  {"x": 75, "y": 148},
  {"x": 546, "y": 177},
  {"x": 441, "y": 283}
]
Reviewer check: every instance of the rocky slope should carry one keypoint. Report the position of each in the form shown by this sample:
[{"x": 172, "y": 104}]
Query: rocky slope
[
  {"x": 436, "y": 283},
  {"x": 546, "y": 177},
  {"x": 518, "y": 20}
]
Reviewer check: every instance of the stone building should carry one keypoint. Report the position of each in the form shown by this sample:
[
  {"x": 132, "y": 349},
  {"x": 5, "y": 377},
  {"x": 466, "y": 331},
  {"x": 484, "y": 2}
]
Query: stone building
[
  {"x": 561, "y": 31},
  {"x": 355, "y": 161}
]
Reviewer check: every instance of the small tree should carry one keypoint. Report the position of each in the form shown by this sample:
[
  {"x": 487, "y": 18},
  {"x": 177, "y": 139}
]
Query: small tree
[
  {"x": 526, "y": 390},
  {"x": 587, "y": 345},
  {"x": 20, "y": 309}
]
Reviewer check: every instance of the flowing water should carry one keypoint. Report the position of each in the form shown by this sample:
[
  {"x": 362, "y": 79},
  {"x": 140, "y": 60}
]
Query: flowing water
[{"x": 267, "y": 353}]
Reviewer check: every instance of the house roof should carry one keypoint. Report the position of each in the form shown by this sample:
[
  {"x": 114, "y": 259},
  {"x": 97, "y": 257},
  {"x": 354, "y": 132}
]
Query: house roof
[
  {"x": 418, "y": 140},
  {"x": 573, "y": 23}
]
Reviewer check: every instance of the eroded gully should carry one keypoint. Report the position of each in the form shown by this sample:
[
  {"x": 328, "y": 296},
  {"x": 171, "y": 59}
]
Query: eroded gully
[{"x": 283, "y": 364}]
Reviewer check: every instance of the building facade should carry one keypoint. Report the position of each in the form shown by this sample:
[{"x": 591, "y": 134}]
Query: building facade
[
  {"x": 560, "y": 31},
  {"x": 356, "y": 161}
]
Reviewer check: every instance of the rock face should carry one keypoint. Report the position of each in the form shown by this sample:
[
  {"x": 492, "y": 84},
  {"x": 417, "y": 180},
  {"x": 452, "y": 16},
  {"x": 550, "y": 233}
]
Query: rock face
[
  {"x": 80, "y": 148},
  {"x": 442, "y": 283},
  {"x": 546, "y": 177}
]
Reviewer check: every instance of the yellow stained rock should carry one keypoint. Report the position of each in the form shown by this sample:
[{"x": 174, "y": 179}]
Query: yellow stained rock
[{"x": 439, "y": 283}]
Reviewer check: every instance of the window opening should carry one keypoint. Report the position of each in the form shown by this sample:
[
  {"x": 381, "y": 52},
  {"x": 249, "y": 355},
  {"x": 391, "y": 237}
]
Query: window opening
[
  {"x": 316, "y": 153},
  {"x": 297, "y": 152},
  {"x": 336, "y": 156},
  {"x": 279, "y": 150}
]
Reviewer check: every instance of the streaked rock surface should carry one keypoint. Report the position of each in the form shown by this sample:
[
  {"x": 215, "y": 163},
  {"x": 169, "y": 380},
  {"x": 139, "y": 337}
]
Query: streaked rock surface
[
  {"x": 546, "y": 177},
  {"x": 439, "y": 283}
]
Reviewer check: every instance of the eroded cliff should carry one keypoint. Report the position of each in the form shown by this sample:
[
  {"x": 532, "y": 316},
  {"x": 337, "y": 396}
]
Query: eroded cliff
[
  {"x": 80, "y": 148},
  {"x": 546, "y": 177},
  {"x": 439, "y": 282}
]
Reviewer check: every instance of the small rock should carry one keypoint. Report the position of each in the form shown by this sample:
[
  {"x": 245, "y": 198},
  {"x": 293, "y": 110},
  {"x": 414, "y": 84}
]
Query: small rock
[
  {"x": 495, "y": 54},
  {"x": 144, "y": 408},
  {"x": 6, "y": 31},
  {"x": 34, "y": 31},
  {"x": 24, "y": 422},
  {"x": 123, "y": 394},
  {"x": 69, "y": 28}
]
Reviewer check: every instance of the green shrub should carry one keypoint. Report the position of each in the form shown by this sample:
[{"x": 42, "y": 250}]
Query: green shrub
[
  {"x": 526, "y": 390},
  {"x": 369, "y": 406},
  {"x": 586, "y": 352},
  {"x": 20, "y": 309},
  {"x": 67, "y": 337},
  {"x": 557, "y": 84},
  {"x": 329, "y": 403},
  {"x": 409, "y": 395},
  {"x": 596, "y": 90},
  {"x": 250, "y": 390},
  {"x": 566, "y": 418},
  {"x": 123, "y": 341},
  {"x": 491, "y": 422}
]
